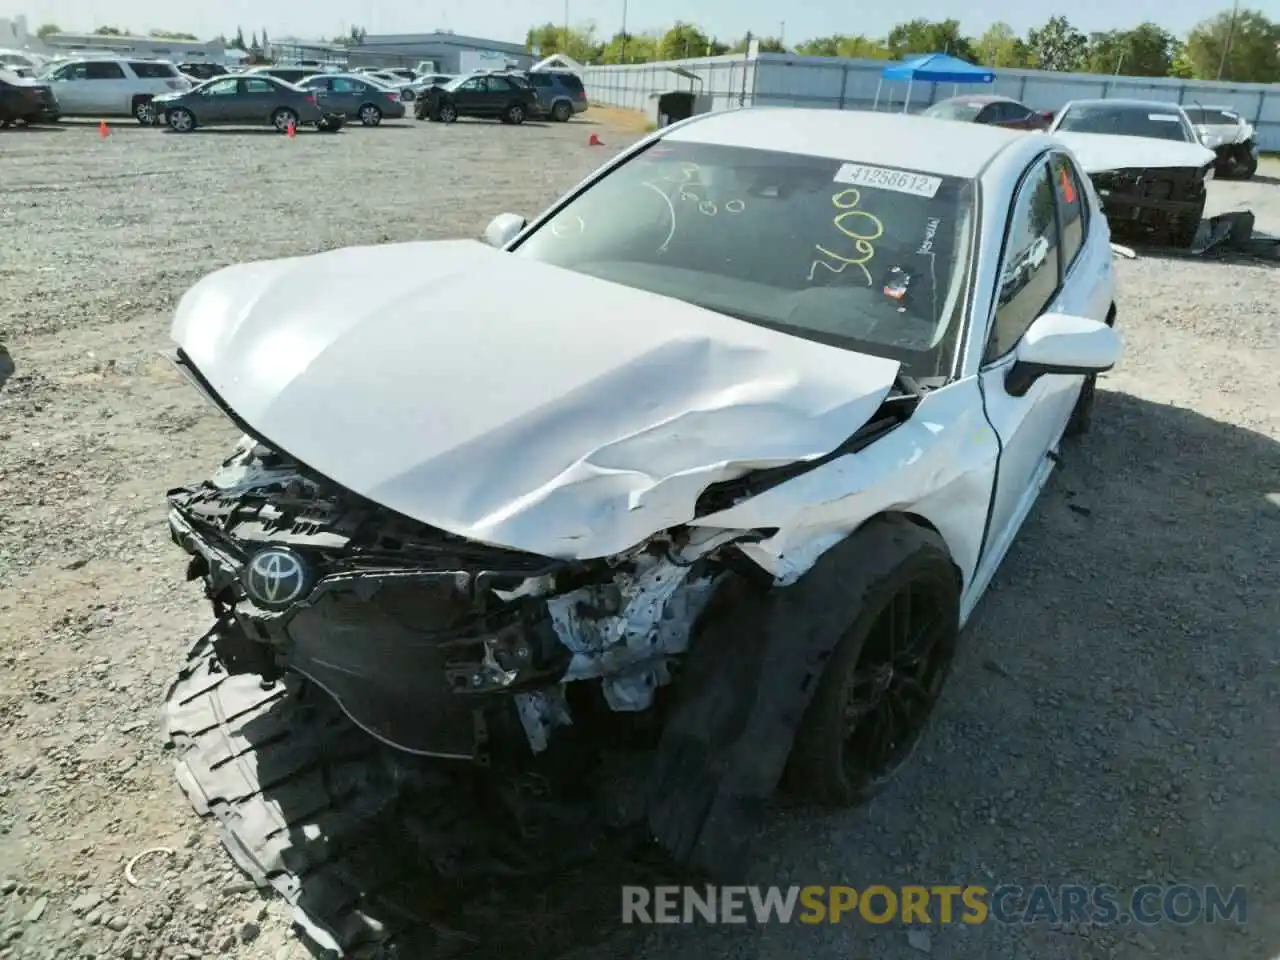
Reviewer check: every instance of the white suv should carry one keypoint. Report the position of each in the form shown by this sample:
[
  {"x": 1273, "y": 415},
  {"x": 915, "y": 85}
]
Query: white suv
[{"x": 112, "y": 87}]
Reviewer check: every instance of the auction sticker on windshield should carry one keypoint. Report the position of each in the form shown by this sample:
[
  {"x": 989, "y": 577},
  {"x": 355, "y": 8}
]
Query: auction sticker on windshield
[{"x": 861, "y": 175}]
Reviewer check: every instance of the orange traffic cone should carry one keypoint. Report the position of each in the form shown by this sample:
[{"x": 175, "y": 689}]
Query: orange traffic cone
[
  {"x": 290, "y": 131},
  {"x": 594, "y": 141},
  {"x": 103, "y": 130}
]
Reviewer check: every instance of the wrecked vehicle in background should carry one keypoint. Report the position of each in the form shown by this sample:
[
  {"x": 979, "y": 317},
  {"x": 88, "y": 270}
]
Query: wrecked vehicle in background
[
  {"x": 1228, "y": 135},
  {"x": 649, "y": 471},
  {"x": 1147, "y": 163}
]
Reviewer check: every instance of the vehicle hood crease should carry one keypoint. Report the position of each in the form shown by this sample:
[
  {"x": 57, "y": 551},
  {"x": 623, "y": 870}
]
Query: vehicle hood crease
[{"x": 511, "y": 401}]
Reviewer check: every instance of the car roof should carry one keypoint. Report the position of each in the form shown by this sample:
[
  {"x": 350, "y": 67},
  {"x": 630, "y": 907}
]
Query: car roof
[
  {"x": 1123, "y": 102},
  {"x": 888, "y": 139},
  {"x": 979, "y": 98}
]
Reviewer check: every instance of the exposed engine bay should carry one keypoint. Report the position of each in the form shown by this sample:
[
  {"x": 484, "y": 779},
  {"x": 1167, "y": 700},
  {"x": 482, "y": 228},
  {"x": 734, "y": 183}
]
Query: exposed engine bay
[{"x": 432, "y": 643}]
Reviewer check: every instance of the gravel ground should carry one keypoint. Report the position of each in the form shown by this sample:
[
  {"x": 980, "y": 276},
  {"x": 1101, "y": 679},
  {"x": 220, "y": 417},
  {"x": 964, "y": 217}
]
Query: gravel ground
[{"x": 1112, "y": 719}]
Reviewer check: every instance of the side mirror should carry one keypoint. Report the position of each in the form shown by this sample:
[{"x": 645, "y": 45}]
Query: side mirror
[
  {"x": 1058, "y": 343},
  {"x": 502, "y": 229}
]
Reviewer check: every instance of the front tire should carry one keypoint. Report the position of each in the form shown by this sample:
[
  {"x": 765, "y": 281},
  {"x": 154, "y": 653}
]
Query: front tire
[
  {"x": 447, "y": 113},
  {"x": 879, "y": 686},
  {"x": 514, "y": 114},
  {"x": 181, "y": 120}
]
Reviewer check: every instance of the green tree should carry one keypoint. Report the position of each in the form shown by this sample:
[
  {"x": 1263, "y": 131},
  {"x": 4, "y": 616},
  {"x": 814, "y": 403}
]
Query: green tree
[
  {"x": 265, "y": 41},
  {"x": 1145, "y": 51},
  {"x": 111, "y": 32},
  {"x": 172, "y": 35},
  {"x": 1182, "y": 67},
  {"x": 930, "y": 36},
  {"x": 1057, "y": 46},
  {"x": 767, "y": 45},
  {"x": 682, "y": 41},
  {"x": 1001, "y": 47},
  {"x": 238, "y": 40},
  {"x": 856, "y": 47},
  {"x": 630, "y": 48},
  {"x": 1250, "y": 48},
  {"x": 47, "y": 30}
]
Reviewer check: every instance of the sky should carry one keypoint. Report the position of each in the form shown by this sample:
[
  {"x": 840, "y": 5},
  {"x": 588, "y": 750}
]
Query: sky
[{"x": 726, "y": 19}]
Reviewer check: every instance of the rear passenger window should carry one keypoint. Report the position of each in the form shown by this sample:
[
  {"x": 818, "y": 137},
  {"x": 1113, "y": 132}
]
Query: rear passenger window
[
  {"x": 1071, "y": 208},
  {"x": 1028, "y": 279},
  {"x": 572, "y": 82},
  {"x": 259, "y": 86},
  {"x": 540, "y": 79},
  {"x": 103, "y": 70},
  {"x": 152, "y": 71}
]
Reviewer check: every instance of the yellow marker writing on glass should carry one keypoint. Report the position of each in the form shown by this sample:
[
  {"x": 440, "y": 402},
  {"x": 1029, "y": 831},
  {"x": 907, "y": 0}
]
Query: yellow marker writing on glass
[{"x": 847, "y": 202}]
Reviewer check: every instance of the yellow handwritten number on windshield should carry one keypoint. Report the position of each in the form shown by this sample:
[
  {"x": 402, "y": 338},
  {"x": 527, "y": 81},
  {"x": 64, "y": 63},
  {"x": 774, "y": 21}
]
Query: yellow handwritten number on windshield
[{"x": 847, "y": 201}]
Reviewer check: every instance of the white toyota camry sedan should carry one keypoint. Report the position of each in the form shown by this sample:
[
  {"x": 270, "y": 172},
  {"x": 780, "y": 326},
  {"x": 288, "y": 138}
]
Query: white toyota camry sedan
[{"x": 722, "y": 448}]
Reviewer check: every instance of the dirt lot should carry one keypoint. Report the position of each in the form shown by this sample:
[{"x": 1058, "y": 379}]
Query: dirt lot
[{"x": 1113, "y": 718}]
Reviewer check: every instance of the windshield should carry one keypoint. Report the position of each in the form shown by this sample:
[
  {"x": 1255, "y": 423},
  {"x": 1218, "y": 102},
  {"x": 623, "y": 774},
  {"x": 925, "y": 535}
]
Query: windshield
[
  {"x": 1141, "y": 120},
  {"x": 1212, "y": 117},
  {"x": 455, "y": 83},
  {"x": 955, "y": 110},
  {"x": 860, "y": 257}
]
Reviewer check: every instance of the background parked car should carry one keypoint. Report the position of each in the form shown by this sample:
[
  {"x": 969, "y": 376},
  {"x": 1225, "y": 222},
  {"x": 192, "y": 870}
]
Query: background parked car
[
  {"x": 560, "y": 93},
  {"x": 200, "y": 72},
  {"x": 287, "y": 74},
  {"x": 113, "y": 86},
  {"x": 396, "y": 82},
  {"x": 245, "y": 99},
  {"x": 25, "y": 100},
  {"x": 356, "y": 96},
  {"x": 492, "y": 95},
  {"x": 1228, "y": 135},
  {"x": 993, "y": 110}
]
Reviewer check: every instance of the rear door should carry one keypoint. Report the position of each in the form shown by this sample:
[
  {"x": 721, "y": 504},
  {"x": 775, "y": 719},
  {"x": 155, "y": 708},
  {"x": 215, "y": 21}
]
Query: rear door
[
  {"x": 500, "y": 93},
  {"x": 257, "y": 99},
  {"x": 349, "y": 94},
  {"x": 111, "y": 87}
]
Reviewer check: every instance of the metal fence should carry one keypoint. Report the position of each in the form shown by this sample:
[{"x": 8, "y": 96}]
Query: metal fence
[{"x": 779, "y": 79}]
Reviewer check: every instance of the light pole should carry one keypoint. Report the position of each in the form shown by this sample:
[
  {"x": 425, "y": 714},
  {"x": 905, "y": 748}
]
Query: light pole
[
  {"x": 565, "y": 42},
  {"x": 622, "y": 54},
  {"x": 1231, "y": 31}
]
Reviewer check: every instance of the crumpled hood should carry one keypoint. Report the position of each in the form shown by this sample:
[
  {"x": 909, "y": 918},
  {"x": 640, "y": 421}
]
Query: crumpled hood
[
  {"x": 510, "y": 401},
  {"x": 1103, "y": 151}
]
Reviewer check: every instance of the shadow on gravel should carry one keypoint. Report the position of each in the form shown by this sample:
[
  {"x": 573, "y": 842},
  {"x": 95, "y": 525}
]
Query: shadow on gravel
[
  {"x": 1264, "y": 178},
  {"x": 395, "y": 859},
  {"x": 23, "y": 128}
]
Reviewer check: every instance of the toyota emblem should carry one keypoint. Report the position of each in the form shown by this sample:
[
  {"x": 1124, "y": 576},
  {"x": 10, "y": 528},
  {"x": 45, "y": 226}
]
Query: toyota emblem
[{"x": 276, "y": 578}]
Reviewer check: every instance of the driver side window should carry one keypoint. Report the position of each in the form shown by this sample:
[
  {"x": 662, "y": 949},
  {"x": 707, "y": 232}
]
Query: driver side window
[
  {"x": 222, "y": 87},
  {"x": 475, "y": 85},
  {"x": 1029, "y": 264}
]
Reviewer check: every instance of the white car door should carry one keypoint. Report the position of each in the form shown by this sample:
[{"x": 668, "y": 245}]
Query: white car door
[
  {"x": 73, "y": 89},
  {"x": 1070, "y": 273}
]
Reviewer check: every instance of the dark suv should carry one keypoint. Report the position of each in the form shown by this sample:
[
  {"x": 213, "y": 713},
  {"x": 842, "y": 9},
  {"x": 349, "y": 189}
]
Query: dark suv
[
  {"x": 496, "y": 95},
  {"x": 560, "y": 93}
]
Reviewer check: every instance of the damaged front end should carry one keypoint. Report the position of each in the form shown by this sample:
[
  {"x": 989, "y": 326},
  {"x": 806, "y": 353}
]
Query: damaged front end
[
  {"x": 432, "y": 643},
  {"x": 1154, "y": 205}
]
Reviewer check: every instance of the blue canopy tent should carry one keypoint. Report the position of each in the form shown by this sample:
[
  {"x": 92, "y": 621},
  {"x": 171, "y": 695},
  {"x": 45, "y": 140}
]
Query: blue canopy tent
[{"x": 932, "y": 68}]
